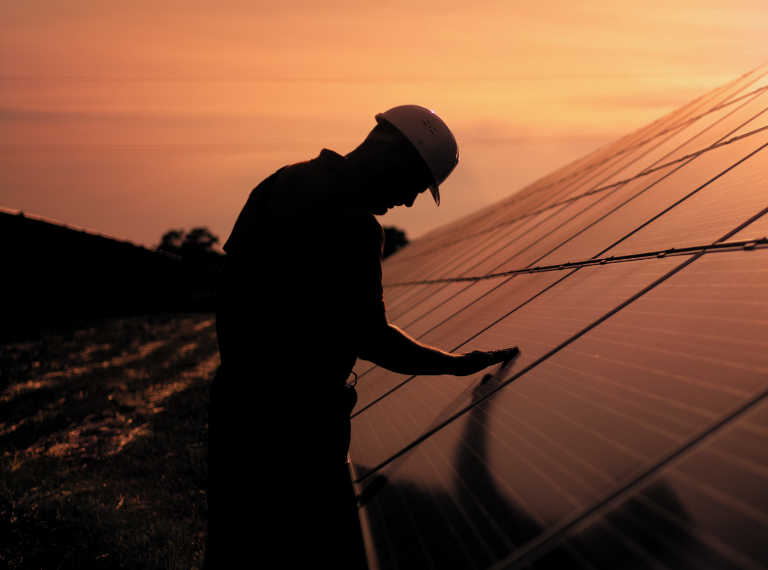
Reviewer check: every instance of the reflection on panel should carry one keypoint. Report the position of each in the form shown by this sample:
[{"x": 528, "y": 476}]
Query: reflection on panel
[
  {"x": 708, "y": 509},
  {"x": 536, "y": 327},
  {"x": 584, "y": 424},
  {"x": 712, "y": 212}
]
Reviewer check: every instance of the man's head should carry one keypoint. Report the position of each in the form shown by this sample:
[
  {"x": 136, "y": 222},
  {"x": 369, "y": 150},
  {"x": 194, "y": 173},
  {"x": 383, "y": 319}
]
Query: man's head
[{"x": 409, "y": 151}]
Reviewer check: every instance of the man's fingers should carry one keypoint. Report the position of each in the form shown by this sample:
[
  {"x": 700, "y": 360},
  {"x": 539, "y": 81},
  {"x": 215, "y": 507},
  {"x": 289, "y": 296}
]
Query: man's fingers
[
  {"x": 506, "y": 355},
  {"x": 478, "y": 360}
]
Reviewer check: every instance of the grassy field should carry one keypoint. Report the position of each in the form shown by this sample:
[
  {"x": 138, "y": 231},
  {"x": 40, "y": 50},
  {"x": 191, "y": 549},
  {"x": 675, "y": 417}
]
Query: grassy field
[{"x": 103, "y": 442}]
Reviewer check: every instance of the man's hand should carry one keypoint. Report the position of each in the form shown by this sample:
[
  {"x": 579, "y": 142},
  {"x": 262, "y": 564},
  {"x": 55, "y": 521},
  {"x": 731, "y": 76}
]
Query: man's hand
[{"x": 477, "y": 360}]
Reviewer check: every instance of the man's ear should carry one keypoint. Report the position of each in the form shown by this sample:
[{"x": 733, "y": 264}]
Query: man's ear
[{"x": 393, "y": 157}]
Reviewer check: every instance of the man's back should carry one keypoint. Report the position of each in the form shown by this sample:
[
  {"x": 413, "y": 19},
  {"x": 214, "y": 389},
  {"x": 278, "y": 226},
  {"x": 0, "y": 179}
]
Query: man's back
[{"x": 302, "y": 275}]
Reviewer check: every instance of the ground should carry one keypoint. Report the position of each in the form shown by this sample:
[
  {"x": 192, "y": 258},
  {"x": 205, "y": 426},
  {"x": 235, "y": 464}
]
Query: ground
[{"x": 103, "y": 443}]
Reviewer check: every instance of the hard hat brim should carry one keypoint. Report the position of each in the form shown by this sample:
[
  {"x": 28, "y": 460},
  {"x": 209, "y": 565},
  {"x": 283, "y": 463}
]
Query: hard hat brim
[{"x": 435, "y": 190}]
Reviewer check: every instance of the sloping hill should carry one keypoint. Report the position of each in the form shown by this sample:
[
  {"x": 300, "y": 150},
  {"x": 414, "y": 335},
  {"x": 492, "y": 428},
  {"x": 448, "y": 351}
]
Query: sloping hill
[{"x": 53, "y": 272}]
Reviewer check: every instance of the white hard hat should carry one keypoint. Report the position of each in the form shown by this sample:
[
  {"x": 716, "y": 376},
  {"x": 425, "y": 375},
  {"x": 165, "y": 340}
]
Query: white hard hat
[{"x": 431, "y": 137}]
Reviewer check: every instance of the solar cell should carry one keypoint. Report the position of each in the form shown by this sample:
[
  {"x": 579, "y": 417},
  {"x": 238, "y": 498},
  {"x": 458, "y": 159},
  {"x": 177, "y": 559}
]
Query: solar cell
[
  {"x": 538, "y": 326},
  {"x": 582, "y": 425}
]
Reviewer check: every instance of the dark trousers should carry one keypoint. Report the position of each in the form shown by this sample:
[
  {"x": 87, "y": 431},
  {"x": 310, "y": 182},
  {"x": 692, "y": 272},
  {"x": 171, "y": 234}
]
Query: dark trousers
[{"x": 279, "y": 495}]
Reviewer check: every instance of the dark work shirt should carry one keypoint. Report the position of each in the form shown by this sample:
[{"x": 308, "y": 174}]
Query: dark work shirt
[{"x": 302, "y": 281}]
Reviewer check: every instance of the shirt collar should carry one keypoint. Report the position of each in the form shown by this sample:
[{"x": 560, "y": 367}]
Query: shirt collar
[{"x": 339, "y": 164}]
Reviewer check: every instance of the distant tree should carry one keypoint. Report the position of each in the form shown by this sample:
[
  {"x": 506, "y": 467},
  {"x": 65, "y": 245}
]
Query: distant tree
[
  {"x": 198, "y": 241},
  {"x": 200, "y": 266},
  {"x": 171, "y": 241},
  {"x": 394, "y": 239}
]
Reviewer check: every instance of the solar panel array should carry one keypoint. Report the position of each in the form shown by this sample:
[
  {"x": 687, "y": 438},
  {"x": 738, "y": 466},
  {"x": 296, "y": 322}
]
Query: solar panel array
[{"x": 632, "y": 430}]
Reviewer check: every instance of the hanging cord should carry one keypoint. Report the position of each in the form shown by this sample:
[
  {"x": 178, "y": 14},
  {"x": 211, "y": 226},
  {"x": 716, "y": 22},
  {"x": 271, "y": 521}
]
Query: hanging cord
[{"x": 354, "y": 382}]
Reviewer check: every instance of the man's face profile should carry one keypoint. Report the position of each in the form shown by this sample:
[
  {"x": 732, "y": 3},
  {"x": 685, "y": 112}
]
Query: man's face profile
[{"x": 400, "y": 183}]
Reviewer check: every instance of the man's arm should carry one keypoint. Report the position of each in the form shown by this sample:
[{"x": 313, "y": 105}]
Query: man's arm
[{"x": 391, "y": 348}]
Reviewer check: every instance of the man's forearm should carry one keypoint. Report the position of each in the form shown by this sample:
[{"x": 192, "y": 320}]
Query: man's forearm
[{"x": 394, "y": 350}]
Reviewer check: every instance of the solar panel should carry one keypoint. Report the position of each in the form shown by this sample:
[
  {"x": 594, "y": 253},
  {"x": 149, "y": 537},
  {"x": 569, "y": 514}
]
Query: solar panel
[
  {"x": 538, "y": 324},
  {"x": 631, "y": 430}
]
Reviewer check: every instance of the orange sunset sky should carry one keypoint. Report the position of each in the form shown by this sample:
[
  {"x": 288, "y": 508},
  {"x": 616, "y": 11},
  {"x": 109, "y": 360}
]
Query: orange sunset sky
[{"x": 130, "y": 118}]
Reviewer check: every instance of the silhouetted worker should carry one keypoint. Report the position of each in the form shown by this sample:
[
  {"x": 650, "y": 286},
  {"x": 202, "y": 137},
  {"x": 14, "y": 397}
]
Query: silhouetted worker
[{"x": 299, "y": 299}]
